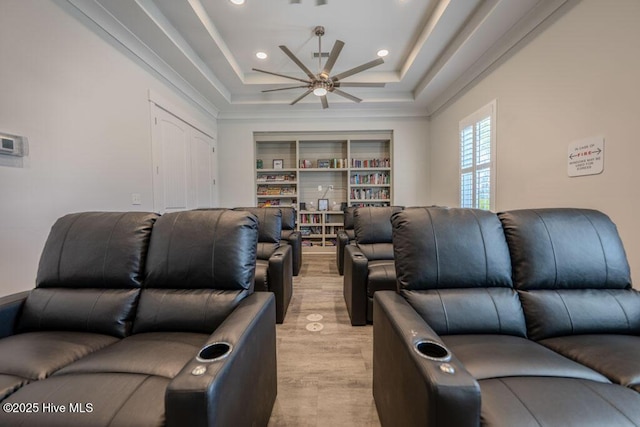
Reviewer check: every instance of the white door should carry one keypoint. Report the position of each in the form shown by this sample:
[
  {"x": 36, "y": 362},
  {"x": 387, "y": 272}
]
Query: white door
[
  {"x": 182, "y": 162},
  {"x": 201, "y": 167}
]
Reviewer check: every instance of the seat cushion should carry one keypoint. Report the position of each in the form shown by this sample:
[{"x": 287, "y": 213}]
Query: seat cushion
[
  {"x": 540, "y": 401},
  {"x": 36, "y": 355},
  {"x": 107, "y": 399},
  {"x": 161, "y": 354},
  {"x": 382, "y": 276},
  {"x": 615, "y": 356},
  {"x": 497, "y": 356}
]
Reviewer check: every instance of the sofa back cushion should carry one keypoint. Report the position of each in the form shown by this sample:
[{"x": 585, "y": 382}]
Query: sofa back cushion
[
  {"x": 561, "y": 312},
  {"x": 90, "y": 273},
  {"x": 453, "y": 267},
  {"x": 372, "y": 226},
  {"x": 269, "y": 229},
  {"x": 200, "y": 265},
  {"x": 470, "y": 310},
  {"x": 565, "y": 249},
  {"x": 348, "y": 218}
]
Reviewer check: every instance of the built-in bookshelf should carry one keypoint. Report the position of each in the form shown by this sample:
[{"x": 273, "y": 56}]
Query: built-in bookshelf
[{"x": 341, "y": 169}]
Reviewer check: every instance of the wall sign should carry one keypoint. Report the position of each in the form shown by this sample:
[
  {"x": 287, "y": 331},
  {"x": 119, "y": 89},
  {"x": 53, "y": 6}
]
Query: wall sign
[{"x": 586, "y": 157}]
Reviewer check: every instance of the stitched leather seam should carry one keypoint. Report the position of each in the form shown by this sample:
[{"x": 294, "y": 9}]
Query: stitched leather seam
[
  {"x": 604, "y": 253},
  {"x": 553, "y": 250},
  {"x": 213, "y": 248},
  {"x": 586, "y": 385},
  {"x": 564, "y": 303},
  {"x": 93, "y": 307},
  {"x": 64, "y": 241},
  {"x": 444, "y": 311},
  {"x": 493, "y": 301},
  {"x": 169, "y": 241},
  {"x": 106, "y": 251},
  {"x": 124, "y": 402},
  {"x": 44, "y": 310},
  {"x": 626, "y": 316},
  {"x": 521, "y": 401},
  {"x": 484, "y": 248},
  {"x": 435, "y": 244}
]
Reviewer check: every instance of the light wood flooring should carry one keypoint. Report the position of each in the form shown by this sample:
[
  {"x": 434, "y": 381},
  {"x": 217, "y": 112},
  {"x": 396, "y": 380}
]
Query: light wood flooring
[{"x": 324, "y": 374}]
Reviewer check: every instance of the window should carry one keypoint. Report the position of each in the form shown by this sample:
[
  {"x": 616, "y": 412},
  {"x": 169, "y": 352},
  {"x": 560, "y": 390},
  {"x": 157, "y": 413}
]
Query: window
[{"x": 477, "y": 159}]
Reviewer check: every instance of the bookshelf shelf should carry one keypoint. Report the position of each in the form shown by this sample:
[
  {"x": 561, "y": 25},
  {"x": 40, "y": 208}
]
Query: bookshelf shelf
[{"x": 347, "y": 168}]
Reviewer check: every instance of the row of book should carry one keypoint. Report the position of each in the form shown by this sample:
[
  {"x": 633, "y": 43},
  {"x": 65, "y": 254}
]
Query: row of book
[
  {"x": 372, "y": 178},
  {"x": 268, "y": 190},
  {"x": 324, "y": 163},
  {"x": 371, "y": 163},
  {"x": 310, "y": 218},
  {"x": 370, "y": 193},
  {"x": 276, "y": 177}
]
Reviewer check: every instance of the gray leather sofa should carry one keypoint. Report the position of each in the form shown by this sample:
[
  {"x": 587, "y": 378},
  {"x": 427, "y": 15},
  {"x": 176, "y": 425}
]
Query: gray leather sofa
[
  {"x": 141, "y": 320},
  {"x": 506, "y": 321}
]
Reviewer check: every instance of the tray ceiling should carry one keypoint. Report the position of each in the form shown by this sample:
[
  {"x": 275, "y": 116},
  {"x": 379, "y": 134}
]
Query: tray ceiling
[{"x": 206, "y": 48}]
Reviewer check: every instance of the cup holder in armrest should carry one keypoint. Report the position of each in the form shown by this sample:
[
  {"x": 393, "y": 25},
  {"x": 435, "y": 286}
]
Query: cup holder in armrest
[
  {"x": 433, "y": 351},
  {"x": 214, "y": 351}
]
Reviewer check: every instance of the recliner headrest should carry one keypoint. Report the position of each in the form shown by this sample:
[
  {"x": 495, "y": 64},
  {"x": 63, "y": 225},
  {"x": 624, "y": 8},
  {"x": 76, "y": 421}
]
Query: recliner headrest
[
  {"x": 213, "y": 249},
  {"x": 438, "y": 248},
  {"x": 562, "y": 248},
  {"x": 96, "y": 250},
  {"x": 269, "y": 223},
  {"x": 373, "y": 224}
]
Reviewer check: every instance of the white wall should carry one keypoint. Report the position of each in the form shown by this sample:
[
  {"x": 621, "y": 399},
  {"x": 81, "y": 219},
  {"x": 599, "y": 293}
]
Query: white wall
[
  {"x": 237, "y": 157},
  {"x": 84, "y": 106},
  {"x": 579, "y": 78}
]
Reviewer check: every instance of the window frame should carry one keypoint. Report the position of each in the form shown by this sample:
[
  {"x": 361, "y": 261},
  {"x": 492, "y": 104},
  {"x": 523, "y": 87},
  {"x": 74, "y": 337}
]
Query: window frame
[{"x": 488, "y": 111}]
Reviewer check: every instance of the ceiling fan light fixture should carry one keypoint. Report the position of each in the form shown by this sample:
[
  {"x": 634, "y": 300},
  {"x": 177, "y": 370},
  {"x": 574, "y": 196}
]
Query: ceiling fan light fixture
[
  {"x": 383, "y": 52},
  {"x": 320, "y": 89},
  {"x": 261, "y": 55},
  {"x": 237, "y": 2}
]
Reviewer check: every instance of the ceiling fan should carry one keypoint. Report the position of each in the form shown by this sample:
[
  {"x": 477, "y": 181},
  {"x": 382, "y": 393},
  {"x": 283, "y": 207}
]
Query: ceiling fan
[{"x": 322, "y": 83}]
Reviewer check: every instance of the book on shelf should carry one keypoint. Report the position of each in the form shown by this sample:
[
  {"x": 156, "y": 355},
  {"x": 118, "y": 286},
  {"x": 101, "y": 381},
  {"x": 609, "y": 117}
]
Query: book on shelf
[
  {"x": 276, "y": 177},
  {"x": 380, "y": 178},
  {"x": 370, "y": 193},
  {"x": 371, "y": 163}
]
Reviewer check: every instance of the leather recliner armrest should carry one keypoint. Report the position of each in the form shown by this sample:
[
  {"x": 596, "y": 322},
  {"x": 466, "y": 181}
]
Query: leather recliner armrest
[
  {"x": 238, "y": 389},
  {"x": 408, "y": 388},
  {"x": 356, "y": 270},
  {"x": 10, "y": 308},
  {"x": 295, "y": 240},
  {"x": 343, "y": 240},
  {"x": 280, "y": 278}
]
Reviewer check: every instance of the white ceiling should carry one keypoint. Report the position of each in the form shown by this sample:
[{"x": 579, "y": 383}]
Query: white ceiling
[{"x": 206, "y": 48}]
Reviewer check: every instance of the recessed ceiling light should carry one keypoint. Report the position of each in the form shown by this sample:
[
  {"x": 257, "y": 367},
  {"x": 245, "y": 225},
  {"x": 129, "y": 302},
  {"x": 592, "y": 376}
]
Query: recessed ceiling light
[
  {"x": 237, "y": 1},
  {"x": 261, "y": 55},
  {"x": 383, "y": 52}
]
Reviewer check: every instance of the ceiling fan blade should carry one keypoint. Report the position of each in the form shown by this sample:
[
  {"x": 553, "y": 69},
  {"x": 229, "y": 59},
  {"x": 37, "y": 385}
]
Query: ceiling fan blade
[
  {"x": 333, "y": 56},
  {"x": 301, "y": 96},
  {"x": 349, "y": 84},
  {"x": 320, "y": 2},
  {"x": 298, "y": 63},
  {"x": 358, "y": 69},
  {"x": 281, "y": 75},
  {"x": 346, "y": 95},
  {"x": 284, "y": 88},
  {"x": 325, "y": 103}
]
